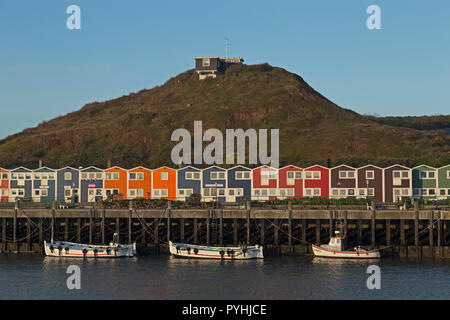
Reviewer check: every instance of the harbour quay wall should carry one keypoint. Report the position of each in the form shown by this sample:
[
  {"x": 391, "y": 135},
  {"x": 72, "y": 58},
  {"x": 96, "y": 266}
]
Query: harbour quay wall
[{"x": 290, "y": 231}]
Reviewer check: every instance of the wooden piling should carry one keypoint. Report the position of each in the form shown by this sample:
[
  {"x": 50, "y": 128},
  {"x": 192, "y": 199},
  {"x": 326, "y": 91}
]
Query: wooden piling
[
  {"x": 90, "y": 226},
  {"x": 388, "y": 232},
  {"x": 78, "y": 230},
  {"x": 195, "y": 230},
  {"x": 304, "y": 231},
  {"x": 182, "y": 229},
  {"x": 118, "y": 228},
  {"x": 40, "y": 235},
  {"x": 103, "y": 225},
  {"x": 416, "y": 229},
  {"x": 317, "y": 231},
  {"x": 235, "y": 232},
  {"x": 4, "y": 242},
  {"x": 208, "y": 227},
  {"x": 155, "y": 230},
  {"x": 221, "y": 228},
  {"x": 248, "y": 227},
  {"x": 130, "y": 219},
  {"x": 439, "y": 227},
  {"x": 402, "y": 233},
  {"x": 169, "y": 222},
  {"x": 262, "y": 232},
  {"x": 66, "y": 229},
  {"x": 373, "y": 227},
  {"x": 290, "y": 224},
  {"x": 345, "y": 226},
  {"x": 331, "y": 223},
  {"x": 29, "y": 246},
  {"x": 143, "y": 232},
  {"x": 430, "y": 233},
  {"x": 359, "y": 232},
  {"x": 52, "y": 231},
  {"x": 15, "y": 226},
  {"x": 275, "y": 232}
]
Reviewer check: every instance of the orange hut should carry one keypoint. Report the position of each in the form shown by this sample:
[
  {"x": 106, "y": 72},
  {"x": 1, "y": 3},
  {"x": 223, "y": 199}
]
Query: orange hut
[
  {"x": 164, "y": 183},
  {"x": 116, "y": 183},
  {"x": 139, "y": 183}
]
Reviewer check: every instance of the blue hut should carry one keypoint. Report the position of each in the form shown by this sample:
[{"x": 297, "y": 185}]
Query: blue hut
[
  {"x": 21, "y": 184},
  {"x": 239, "y": 180},
  {"x": 189, "y": 182},
  {"x": 68, "y": 185},
  {"x": 91, "y": 180},
  {"x": 44, "y": 185},
  {"x": 214, "y": 184}
]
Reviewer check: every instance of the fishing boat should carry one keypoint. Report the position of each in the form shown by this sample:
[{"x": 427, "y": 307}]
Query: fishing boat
[
  {"x": 78, "y": 250},
  {"x": 207, "y": 252},
  {"x": 335, "y": 249}
]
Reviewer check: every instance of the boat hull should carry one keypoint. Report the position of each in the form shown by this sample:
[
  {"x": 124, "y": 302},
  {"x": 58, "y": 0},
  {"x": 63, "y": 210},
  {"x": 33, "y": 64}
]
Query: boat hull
[
  {"x": 223, "y": 253},
  {"x": 327, "y": 253},
  {"x": 76, "y": 250}
]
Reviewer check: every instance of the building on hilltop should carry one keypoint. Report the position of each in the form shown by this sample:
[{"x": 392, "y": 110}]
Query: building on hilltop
[{"x": 212, "y": 66}]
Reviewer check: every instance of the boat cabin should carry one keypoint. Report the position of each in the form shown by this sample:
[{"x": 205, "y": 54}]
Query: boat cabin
[{"x": 336, "y": 242}]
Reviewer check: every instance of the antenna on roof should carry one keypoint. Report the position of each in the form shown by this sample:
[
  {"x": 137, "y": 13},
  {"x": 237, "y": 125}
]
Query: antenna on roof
[{"x": 227, "y": 46}]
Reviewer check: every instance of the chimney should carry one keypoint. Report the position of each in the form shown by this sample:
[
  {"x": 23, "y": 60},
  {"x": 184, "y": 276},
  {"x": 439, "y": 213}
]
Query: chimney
[
  {"x": 109, "y": 163},
  {"x": 40, "y": 164}
]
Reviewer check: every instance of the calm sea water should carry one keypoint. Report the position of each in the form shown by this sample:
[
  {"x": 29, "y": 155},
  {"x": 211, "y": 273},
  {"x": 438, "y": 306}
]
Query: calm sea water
[{"x": 163, "y": 277}]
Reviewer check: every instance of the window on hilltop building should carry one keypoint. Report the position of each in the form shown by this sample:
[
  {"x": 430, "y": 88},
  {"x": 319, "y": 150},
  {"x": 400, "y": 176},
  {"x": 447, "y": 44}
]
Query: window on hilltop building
[
  {"x": 68, "y": 176},
  {"x": 206, "y": 62},
  {"x": 164, "y": 176}
]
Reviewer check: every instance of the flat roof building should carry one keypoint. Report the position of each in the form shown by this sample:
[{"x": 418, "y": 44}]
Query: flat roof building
[{"x": 212, "y": 66}]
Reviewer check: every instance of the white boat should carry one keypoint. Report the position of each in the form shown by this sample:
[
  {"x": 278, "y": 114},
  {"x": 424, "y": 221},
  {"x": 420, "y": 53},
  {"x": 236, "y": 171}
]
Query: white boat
[
  {"x": 206, "y": 252},
  {"x": 335, "y": 249},
  {"x": 78, "y": 250}
]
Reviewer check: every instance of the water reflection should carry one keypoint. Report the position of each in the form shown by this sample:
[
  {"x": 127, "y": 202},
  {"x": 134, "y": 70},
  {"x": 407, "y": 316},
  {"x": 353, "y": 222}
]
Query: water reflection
[
  {"x": 335, "y": 261},
  {"x": 166, "y": 277}
]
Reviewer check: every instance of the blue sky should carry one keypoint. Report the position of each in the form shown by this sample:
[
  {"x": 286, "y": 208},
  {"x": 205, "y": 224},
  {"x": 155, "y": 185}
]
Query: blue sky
[{"x": 47, "y": 70}]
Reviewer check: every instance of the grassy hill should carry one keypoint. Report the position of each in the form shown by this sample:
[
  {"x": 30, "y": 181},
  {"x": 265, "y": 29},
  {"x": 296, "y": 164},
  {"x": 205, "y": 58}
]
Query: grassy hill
[{"x": 135, "y": 129}]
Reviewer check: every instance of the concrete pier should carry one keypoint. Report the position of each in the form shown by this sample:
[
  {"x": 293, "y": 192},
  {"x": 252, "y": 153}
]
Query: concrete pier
[{"x": 413, "y": 234}]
